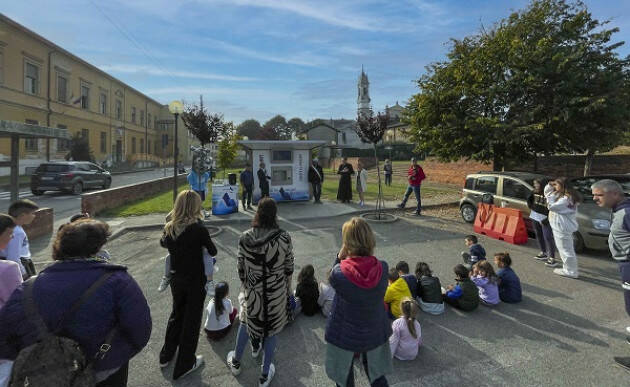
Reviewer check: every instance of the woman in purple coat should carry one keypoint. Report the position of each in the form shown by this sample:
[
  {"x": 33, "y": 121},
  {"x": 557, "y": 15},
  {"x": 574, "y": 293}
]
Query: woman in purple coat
[{"x": 117, "y": 303}]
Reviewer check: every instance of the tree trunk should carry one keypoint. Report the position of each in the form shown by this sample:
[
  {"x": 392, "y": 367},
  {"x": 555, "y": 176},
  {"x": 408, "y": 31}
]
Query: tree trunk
[
  {"x": 379, "y": 198},
  {"x": 588, "y": 162},
  {"x": 497, "y": 163}
]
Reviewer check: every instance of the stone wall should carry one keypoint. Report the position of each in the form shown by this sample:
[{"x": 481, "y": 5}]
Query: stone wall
[
  {"x": 99, "y": 201},
  {"x": 41, "y": 225}
]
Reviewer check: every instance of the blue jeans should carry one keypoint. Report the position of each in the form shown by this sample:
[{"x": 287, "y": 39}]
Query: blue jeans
[
  {"x": 416, "y": 190},
  {"x": 269, "y": 346}
]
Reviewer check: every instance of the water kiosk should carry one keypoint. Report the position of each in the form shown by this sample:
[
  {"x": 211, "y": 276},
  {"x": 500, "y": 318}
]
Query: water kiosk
[{"x": 286, "y": 162}]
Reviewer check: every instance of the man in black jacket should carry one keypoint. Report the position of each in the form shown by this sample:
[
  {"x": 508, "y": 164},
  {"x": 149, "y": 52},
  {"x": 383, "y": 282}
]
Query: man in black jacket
[
  {"x": 316, "y": 178},
  {"x": 263, "y": 184}
]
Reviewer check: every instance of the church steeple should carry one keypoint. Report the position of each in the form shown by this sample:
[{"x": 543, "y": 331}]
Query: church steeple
[{"x": 363, "y": 98}]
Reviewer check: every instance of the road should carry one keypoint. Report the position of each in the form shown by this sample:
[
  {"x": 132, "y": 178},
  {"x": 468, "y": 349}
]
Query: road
[{"x": 66, "y": 205}]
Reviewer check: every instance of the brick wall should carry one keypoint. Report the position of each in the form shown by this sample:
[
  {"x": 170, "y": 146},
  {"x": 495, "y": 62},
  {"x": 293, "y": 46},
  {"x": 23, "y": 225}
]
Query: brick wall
[
  {"x": 99, "y": 201},
  {"x": 41, "y": 225}
]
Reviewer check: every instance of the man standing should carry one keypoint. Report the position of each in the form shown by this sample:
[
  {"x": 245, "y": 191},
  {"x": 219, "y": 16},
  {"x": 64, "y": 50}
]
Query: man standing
[
  {"x": 609, "y": 193},
  {"x": 415, "y": 176},
  {"x": 316, "y": 178},
  {"x": 263, "y": 184},
  {"x": 247, "y": 182},
  {"x": 387, "y": 168}
]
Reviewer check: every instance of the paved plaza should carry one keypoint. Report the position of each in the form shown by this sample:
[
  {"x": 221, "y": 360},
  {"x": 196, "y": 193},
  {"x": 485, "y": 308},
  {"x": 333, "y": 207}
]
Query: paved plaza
[{"x": 564, "y": 333}]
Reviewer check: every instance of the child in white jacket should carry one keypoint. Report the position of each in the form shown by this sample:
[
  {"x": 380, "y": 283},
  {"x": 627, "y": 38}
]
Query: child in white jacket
[{"x": 562, "y": 202}]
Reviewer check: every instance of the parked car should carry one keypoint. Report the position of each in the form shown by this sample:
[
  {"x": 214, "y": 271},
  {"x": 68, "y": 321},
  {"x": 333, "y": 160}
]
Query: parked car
[
  {"x": 511, "y": 189},
  {"x": 70, "y": 176}
]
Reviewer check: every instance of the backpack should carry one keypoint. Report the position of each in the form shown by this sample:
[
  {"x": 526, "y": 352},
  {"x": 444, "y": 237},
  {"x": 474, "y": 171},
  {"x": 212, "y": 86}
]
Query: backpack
[{"x": 55, "y": 360}]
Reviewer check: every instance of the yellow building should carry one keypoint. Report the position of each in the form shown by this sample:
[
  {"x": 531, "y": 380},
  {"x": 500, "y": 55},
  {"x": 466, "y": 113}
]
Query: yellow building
[{"x": 43, "y": 84}]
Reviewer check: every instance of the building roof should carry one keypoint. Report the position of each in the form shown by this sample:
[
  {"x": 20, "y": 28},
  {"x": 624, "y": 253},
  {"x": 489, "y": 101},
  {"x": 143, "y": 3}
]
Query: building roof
[
  {"x": 10, "y": 128},
  {"x": 281, "y": 144}
]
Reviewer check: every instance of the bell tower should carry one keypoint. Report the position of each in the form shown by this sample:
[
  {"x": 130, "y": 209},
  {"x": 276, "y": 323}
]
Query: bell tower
[{"x": 363, "y": 98}]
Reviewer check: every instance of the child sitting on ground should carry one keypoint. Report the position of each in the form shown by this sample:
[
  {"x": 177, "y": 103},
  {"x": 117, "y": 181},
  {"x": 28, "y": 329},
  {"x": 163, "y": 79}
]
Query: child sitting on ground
[
  {"x": 412, "y": 281},
  {"x": 486, "y": 280},
  {"x": 509, "y": 283},
  {"x": 464, "y": 295},
  {"x": 326, "y": 296},
  {"x": 406, "y": 337},
  {"x": 221, "y": 313},
  {"x": 429, "y": 290},
  {"x": 307, "y": 291},
  {"x": 476, "y": 252},
  {"x": 396, "y": 291}
]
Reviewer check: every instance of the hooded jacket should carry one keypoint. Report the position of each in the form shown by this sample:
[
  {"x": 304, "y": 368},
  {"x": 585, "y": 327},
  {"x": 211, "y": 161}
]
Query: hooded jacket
[
  {"x": 396, "y": 291},
  {"x": 265, "y": 264},
  {"x": 118, "y": 302},
  {"x": 415, "y": 175},
  {"x": 358, "y": 320},
  {"x": 562, "y": 212},
  {"x": 619, "y": 237}
]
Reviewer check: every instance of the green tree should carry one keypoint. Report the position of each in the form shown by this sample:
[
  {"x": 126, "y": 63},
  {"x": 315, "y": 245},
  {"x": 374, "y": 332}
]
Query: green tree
[
  {"x": 80, "y": 149},
  {"x": 546, "y": 79},
  {"x": 206, "y": 126},
  {"x": 228, "y": 147},
  {"x": 278, "y": 125},
  {"x": 250, "y": 129},
  {"x": 296, "y": 124}
]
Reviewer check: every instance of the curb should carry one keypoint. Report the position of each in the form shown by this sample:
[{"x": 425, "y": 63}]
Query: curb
[
  {"x": 215, "y": 223},
  {"x": 132, "y": 171}
]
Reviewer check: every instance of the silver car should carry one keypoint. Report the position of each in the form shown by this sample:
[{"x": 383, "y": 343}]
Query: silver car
[{"x": 511, "y": 189}]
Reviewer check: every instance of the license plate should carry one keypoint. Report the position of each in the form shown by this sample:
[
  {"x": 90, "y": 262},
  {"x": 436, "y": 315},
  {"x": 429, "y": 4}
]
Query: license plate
[{"x": 47, "y": 178}]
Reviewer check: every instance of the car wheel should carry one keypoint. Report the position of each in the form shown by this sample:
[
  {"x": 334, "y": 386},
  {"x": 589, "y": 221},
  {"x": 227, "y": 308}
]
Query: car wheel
[
  {"x": 578, "y": 243},
  {"x": 468, "y": 213},
  {"x": 77, "y": 188},
  {"x": 107, "y": 184},
  {"x": 37, "y": 192}
]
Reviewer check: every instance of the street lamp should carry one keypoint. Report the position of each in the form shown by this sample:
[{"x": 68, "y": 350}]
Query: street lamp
[{"x": 176, "y": 108}]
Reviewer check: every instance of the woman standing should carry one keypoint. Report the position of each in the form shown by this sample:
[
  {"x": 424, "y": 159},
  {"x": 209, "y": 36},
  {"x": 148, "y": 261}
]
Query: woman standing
[
  {"x": 184, "y": 237},
  {"x": 387, "y": 168},
  {"x": 562, "y": 202},
  {"x": 538, "y": 214},
  {"x": 361, "y": 184},
  {"x": 265, "y": 266},
  {"x": 344, "y": 193},
  {"x": 358, "y": 322}
]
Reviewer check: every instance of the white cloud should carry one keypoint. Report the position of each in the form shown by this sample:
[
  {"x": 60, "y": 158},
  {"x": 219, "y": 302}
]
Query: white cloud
[{"x": 142, "y": 69}]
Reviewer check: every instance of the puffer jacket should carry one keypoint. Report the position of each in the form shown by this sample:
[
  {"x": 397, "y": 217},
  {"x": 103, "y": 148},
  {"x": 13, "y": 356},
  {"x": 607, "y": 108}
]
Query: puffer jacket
[
  {"x": 562, "y": 212},
  {"x": 358, "y": 320},
  {"x": 430, "y": 289},
  {"x": 118, "y": 302},
  {"x": 395, "y": 292}
]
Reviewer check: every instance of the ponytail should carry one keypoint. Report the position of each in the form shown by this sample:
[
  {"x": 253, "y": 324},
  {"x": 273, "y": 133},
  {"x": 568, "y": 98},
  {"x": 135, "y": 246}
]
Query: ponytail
[{"x": 410, "y": 310}]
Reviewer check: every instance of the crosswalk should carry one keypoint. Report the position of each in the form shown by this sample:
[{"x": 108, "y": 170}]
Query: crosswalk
[{"x": 22, "y": 195}]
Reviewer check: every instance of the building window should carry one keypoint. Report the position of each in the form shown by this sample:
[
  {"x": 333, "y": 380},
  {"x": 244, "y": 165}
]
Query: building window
[
  {"x": 62, "y": 89},
  {"x": 31, "y": 143},
  {"x": 103, "y": 142},
  {"x": 141, "y": 117},
  {"x": 1, "y": 67},
  {"x": 133, "y": 115},
  {"x": 63, "y": 145},
  {"x": 118, "y": 109},
  {"x": 133, "y": 145},
  {"x": 343, "y": 137},
  {"x": 31, "y": 78},
  {"x": 85, "y": 97},
  {"x": 149, "y": 120},
  {"x": 142, "y": 145},
  {"x": 103, "y": 104},
  {"x": 149, "y": 146},
  {"x": 85, "y": 134}
]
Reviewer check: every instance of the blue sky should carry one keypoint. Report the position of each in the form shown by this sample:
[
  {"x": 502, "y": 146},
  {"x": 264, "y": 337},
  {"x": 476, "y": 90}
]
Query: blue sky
[{"x": 258, "y": 58}]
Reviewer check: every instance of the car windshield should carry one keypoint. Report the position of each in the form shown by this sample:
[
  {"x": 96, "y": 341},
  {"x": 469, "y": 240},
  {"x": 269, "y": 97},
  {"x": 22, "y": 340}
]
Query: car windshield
[
  {"x": 583, "y": 185},
  {"x": 54, "y": 168}
]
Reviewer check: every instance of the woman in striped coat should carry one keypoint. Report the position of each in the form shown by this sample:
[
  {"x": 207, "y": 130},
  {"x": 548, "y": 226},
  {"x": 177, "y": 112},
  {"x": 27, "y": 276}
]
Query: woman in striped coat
[{"x": 265, "y": 266}]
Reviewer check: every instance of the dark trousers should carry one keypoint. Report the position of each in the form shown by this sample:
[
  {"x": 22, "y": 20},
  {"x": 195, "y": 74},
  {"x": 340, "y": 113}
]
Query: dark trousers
[
  {"x": 317, "y": 190},
  {"x": 28, "y": 266},
  {"x": 184, "y": 323},
  {"x": 247, "y": 195},
  {"x": 264, "y": 191},
  {"x": 388, "y": 179},
  {"x": 544, "y": 237},
  {"x": 202, "y": 194},
  {"x": 416, "y": 190},
  {"x": 380, "y": 382},
  {"x": 117, "y": 379},
  {"x": 624, "y": 268}
]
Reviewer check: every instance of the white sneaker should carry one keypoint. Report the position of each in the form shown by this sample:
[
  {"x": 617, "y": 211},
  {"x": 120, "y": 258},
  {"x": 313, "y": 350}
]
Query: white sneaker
[
  {"x": 628, "y": 330},
  {"x": 198, "y": 363},
  {"x": 625, "y": 285},
  {"x": 210, "y": 288},
  {"x": 264, "y": 382},
  {"x": 164, "y": 284},
  {"x": 563, "y": 273},
  {"x": 235, "y": 366}
]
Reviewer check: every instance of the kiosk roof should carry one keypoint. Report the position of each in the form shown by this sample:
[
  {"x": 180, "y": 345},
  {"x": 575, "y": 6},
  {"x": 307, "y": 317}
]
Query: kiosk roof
[{"x": 273, "y": 144}]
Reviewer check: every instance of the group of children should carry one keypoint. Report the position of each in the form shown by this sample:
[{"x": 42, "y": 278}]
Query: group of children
[{"x": 18, "y": 249}]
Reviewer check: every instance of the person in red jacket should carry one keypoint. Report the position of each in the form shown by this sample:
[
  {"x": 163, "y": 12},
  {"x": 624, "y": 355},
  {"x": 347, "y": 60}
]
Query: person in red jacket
[{"x": 415, "y": 176}]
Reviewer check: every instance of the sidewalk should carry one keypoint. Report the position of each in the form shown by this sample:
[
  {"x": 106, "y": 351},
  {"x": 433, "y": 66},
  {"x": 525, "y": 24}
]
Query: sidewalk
[{"x": 41, "y": 248}]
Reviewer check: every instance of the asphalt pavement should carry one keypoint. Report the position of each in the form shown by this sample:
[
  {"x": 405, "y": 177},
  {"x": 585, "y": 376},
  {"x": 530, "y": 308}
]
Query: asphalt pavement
[
  {"x": 564, "y": 333},
  {"x": 65, "y": 204}
]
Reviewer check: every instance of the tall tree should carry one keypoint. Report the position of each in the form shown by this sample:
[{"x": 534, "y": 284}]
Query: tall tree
[
  {"x": 546, "y": 79},
  {"x": 79, "y": 149},
  {"x": 206, "y": 126},
  {"x": 227, "y": 149},
  {"x": 249, "y": 128},
  {"x": 278, "y": 124},
  {"x": 296, "y": 124}
]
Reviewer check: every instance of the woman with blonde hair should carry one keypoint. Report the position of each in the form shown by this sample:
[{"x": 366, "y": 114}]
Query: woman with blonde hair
[
  {"x": 184, "y": 237},
  {"x": 358, "y": 321}
]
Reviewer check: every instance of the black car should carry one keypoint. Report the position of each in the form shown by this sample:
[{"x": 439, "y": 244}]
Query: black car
[{"x": 70, "y": 176}]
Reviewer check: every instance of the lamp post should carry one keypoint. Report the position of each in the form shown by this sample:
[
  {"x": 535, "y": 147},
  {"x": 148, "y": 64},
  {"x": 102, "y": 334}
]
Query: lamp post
[{"x": 176, "y": 108}]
